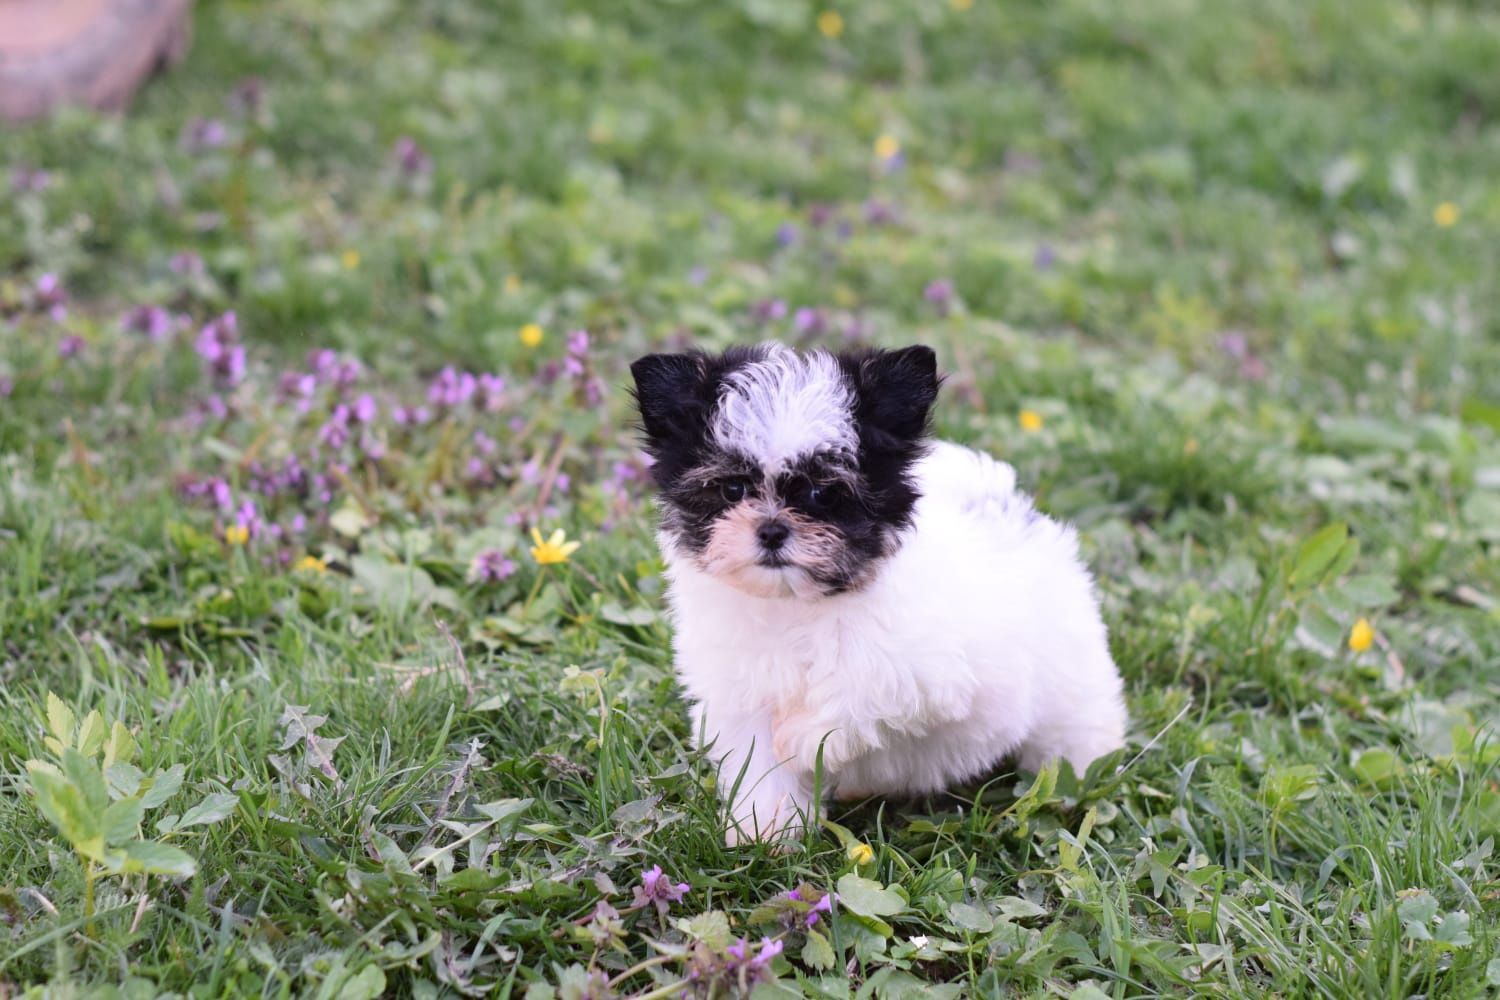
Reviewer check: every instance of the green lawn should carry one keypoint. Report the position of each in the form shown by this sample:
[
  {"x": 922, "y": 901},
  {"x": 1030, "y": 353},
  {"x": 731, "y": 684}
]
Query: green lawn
[{"x": 1219, "y": 279}]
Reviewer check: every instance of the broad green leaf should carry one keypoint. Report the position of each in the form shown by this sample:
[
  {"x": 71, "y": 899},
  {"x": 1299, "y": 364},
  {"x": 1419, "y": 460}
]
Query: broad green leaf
[
  {"x": 712, "y": 928},
  {"x": 91, "y": 734},
  {"x": 971, "y": 918},
  {"x": 151, "y": 858},
  {"x": 211, "y": 810},
  {"x": 861, "y": 895},
  {"x": 124, "y": 780},
  {"x": 122, "y": 820},
  {"x": 1018, "y": 908},
  {"x": 164, "y": 785},
  {"x": 1377, "y": 767},
  {"x": 65, "y": 807},
  {"x": 1317, "y": 554},
  {"x": 120, "y": 748},
  {"x": 366, "y": 984},
  {"x": 60, "y": 720},
  {"x": 817, "y": 953},
  {"x": 84, "y": 773},
  {"x": 1453, "y": 930}
]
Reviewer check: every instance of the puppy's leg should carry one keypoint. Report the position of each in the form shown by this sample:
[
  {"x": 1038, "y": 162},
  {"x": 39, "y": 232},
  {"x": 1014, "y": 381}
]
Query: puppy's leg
[
  {"x": 1088, "y": 728},
  {"x": 769, "y": 797}
]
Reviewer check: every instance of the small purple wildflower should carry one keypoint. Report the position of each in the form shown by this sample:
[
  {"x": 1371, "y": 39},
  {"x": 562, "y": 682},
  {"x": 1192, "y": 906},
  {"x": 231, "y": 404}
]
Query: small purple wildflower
[
  {"x": 365, "y": 409},
  {"x": 809, "y": 321},
  {"x": 484, "y": 444},
  {"x": 819, "y": 214},
  {"x": 824, "y": 905},
  {"x": 154, "y": 321},
  {"x": 578, "y": 343},
  {"x": 335, "y": 431},
  {"x": 1044, "y": 257},
  {"x": 880, "y": 213},
  {"x": 7, "y": 386},
  {"x": 28, "y": 179},
  {"x": 768, "y": 310},
  {"x": 203, "y": 134},
  {"x": 940, "y": 294},
  {"x": 492, "y": 388},
  {"x": 411, "y": 159},
  {"x": 452, "y": 387},
  {"x": 70, "y": 346},
  {"x": 786, "y": 235},
  {"x": 697, "y": 276},
  {"x": 490, "y": 566},
  {"x": 658, "y": 890},
  {"x": 186, "y": 263},
  {"x": 50, "y": 297},
  {"x": 217, "y": 345}
]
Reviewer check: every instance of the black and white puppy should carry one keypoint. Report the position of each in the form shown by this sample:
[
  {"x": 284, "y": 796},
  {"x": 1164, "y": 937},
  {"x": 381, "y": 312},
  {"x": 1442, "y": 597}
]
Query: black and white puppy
[{"x": 837, "y": 579}]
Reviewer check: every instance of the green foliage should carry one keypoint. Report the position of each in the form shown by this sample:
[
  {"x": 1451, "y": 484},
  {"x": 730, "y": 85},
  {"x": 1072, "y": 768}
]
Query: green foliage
[{"x": 1234, "y": 262}]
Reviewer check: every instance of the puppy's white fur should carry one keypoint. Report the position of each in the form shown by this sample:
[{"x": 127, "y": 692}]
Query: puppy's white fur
[{"x": 977, "y": 640}]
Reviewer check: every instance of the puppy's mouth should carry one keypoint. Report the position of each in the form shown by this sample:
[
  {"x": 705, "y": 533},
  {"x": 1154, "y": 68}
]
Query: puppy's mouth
[{"x": 773, "y": 560}]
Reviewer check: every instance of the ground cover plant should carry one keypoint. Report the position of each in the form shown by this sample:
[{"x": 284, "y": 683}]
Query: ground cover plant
[{"x": 332, "y": 656}]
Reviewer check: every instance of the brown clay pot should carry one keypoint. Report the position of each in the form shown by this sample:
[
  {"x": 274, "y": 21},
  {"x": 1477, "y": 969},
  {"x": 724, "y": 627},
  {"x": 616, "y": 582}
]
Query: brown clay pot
[{"x": 94, "y": 53}]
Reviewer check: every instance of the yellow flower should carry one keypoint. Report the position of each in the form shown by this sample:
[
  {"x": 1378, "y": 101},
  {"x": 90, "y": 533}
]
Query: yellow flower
[
  {"x": 350, "y": 259},
  {"x": 831, "y": 24},
  {"x": 311, "y": 564},
  {"x": 1361, "y": 636},
  {"x": 512, "y": 284},
  {"x": 555, "y": 549},
  {"x": 861, "y": 854},
  {"x": 236, "y": 534},
  {"x": 1030, "y": 420},
  {"x": 1446, "y": 214},
  {"x": 531, "y": 335},
  {"x": 887, "y": 146},
  {"x": 961, "y": 4}
]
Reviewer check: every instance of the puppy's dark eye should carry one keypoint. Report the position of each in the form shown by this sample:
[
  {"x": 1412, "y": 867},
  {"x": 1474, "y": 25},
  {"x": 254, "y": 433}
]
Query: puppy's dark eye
[
  {"x": 823, "y": 497},
  {"x": 732, "y": 490}
]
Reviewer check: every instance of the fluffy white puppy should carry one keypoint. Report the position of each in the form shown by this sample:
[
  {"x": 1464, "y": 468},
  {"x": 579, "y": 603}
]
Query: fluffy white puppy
[{"x": 839, "y": 581}]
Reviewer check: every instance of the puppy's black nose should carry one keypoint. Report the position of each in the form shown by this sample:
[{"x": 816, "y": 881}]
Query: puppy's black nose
[{"x": 773, "y": 534}]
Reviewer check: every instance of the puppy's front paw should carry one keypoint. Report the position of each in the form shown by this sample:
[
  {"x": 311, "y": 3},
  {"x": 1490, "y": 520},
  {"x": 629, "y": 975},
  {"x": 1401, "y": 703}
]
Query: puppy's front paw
[
  {"x": 797, "y": 738},
  {"x": 771, "y": 815}
]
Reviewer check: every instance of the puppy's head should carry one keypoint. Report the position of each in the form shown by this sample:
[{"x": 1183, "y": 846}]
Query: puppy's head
[{"x": 786, "y": 474}]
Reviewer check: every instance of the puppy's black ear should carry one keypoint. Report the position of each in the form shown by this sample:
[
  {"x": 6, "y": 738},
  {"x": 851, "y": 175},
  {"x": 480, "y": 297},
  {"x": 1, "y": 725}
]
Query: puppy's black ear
[
  {"x": 895, "y": 390},
  {"x": 668, "y": 391}
]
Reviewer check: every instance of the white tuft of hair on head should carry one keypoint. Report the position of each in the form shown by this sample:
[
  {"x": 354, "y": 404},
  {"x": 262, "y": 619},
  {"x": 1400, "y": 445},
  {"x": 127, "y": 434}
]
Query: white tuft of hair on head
[{"x": 785, "y": 406}]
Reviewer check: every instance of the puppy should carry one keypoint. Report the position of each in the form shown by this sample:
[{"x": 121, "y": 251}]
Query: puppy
[{"x": 839, "y": 583}]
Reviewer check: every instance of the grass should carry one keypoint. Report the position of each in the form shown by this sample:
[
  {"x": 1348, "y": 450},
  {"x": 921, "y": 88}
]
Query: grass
[{"x": 1235, "y": 263}]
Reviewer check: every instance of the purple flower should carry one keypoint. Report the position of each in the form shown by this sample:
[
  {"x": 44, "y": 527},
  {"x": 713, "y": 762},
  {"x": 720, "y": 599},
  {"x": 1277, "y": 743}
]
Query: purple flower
[
  {"x": 216, "y": 345},
  {"x": 248, "y": 517},
  {"x": 7, "y": 386},
  {"x": 203, "y": 134},
  {"x": 49, "y": 297},
  {"x": 23, "y": 179},
  {"x": 365, "y": 409},
  {"x": 786, "y": 234},
  {"x": 578, "y": 343},
  {"x": 939, "y": 293},
  {"x": 70, "y": 346},
  {"x": 697, "y": 276},
  {"x": 1044, "y": 258},
  {"x": 484, "y": 444},
  {"x": 335, "y": 431},
  {"x": 452, "y": 387},
  {"x": 492, "y": 387},
  {"x": 819, "y": 214},
  {"x": 810, "y": 321},
  {"x": 154, "y": 321},
  {"x": 824, "y": 905},
  {"x": 372, "y": 447},
  {"x": 658, "y": 890},
  {"x": 186, "y": 263},
  {"x": 879, "y": 213},
  {"x": 768, "y": 310},
  {"x": 490, "y": 566},
  {"x": 1235, "y": 344},
  {"x": 411, "y": 160}
]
